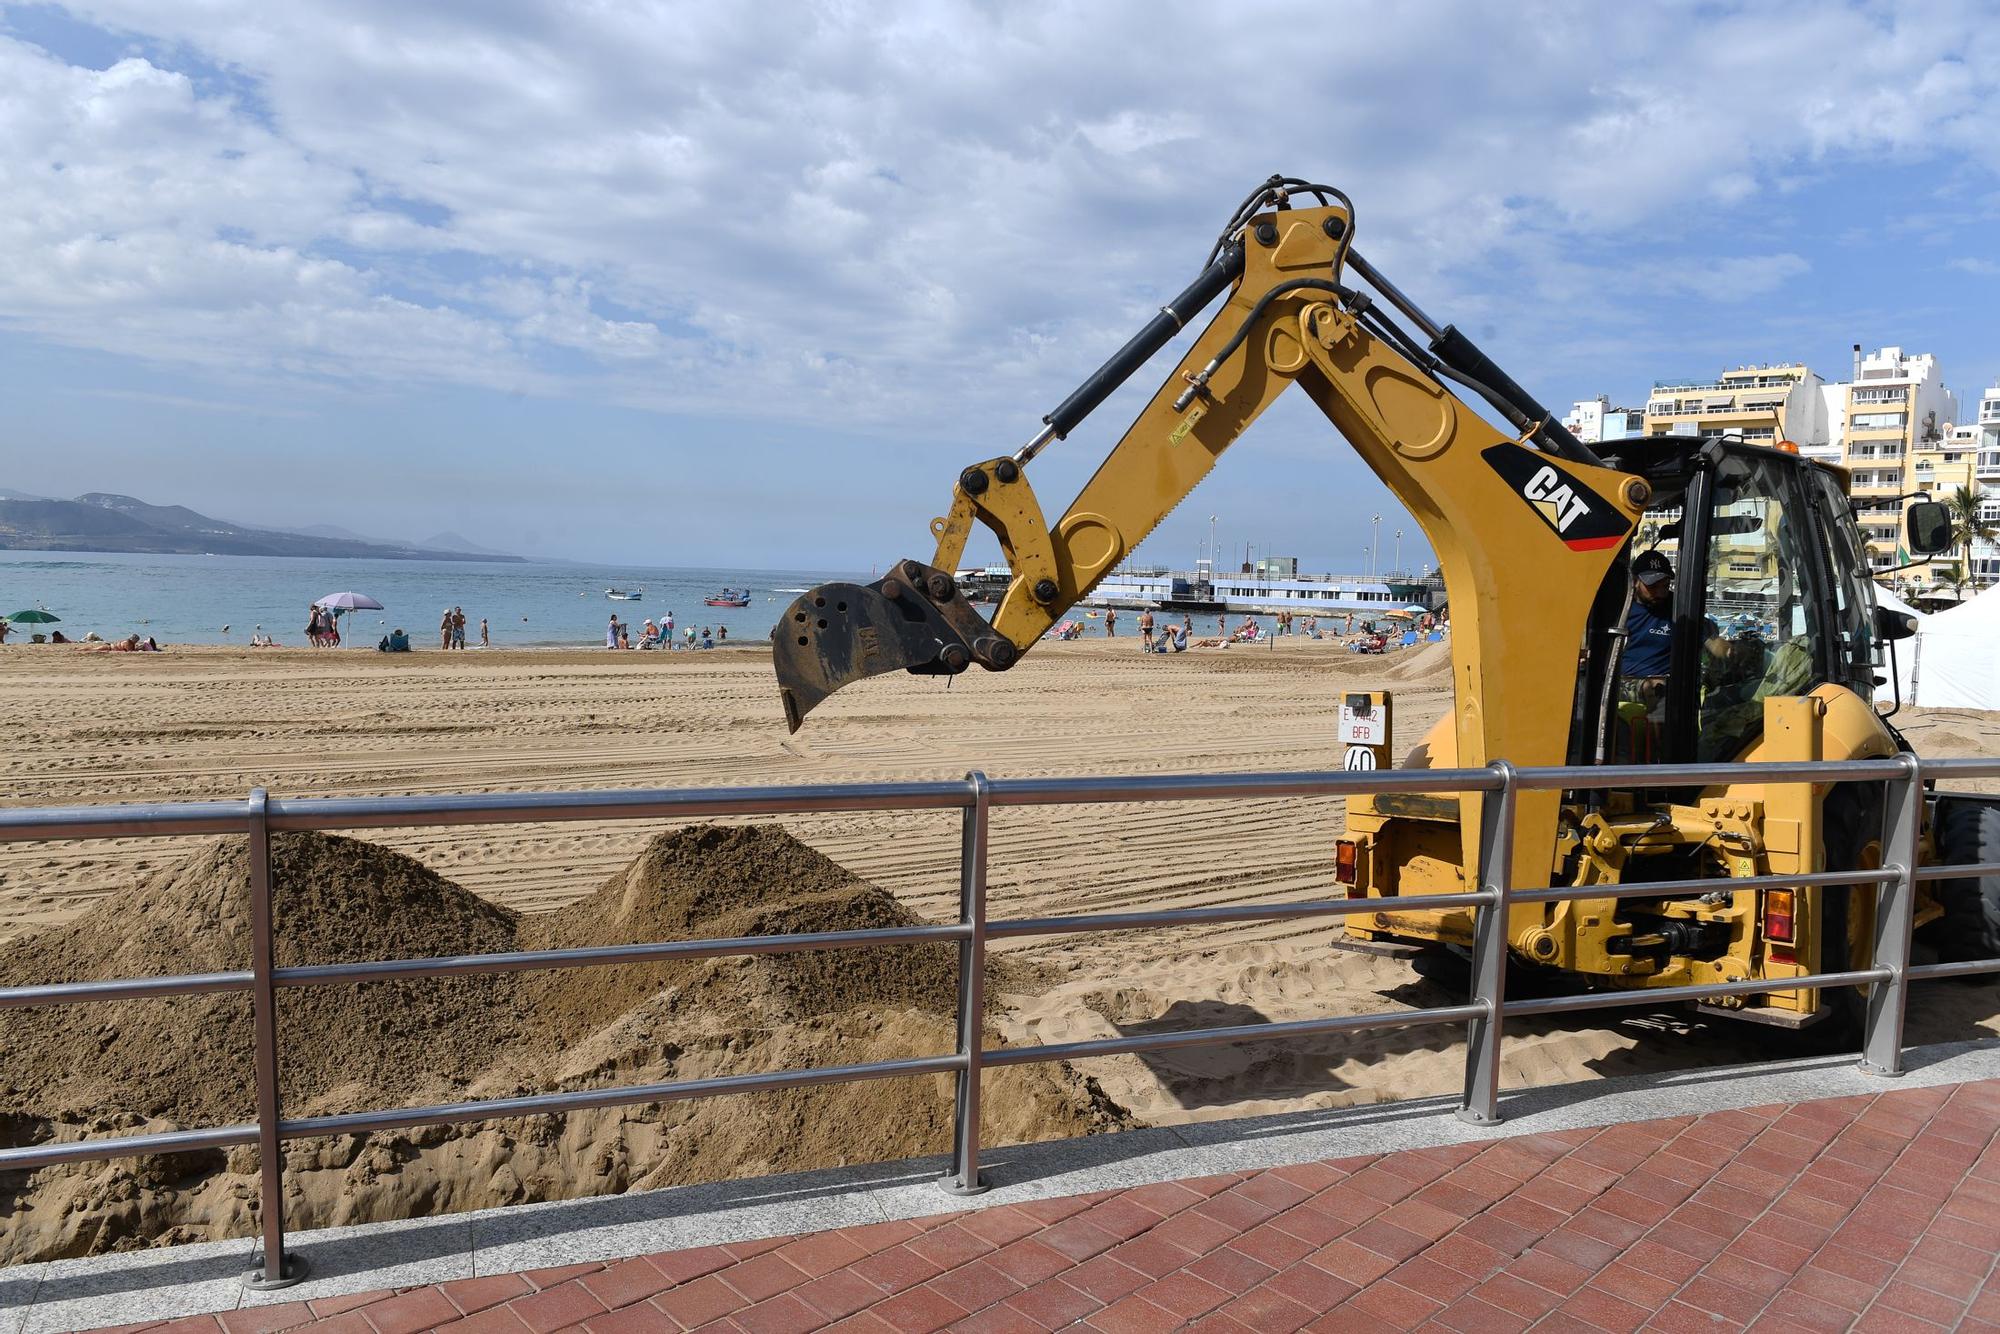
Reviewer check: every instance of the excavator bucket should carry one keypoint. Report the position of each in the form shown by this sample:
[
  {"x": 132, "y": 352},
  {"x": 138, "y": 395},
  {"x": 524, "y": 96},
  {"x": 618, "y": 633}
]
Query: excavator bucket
[{"x": 912, "y": 619}]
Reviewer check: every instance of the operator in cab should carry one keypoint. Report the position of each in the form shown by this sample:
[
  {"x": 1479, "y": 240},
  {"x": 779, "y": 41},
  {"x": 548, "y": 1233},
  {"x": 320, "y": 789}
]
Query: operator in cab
[{"x": 1649, "y": 625}]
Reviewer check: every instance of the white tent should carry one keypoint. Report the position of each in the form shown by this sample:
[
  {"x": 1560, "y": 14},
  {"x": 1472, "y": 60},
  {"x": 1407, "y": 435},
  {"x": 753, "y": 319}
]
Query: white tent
[{"x": 1953, "y": 662}]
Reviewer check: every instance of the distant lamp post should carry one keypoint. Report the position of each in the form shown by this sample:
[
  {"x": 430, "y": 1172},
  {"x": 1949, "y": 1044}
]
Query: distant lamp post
[
  {"x": 1374, "y": 543},
  {"x": 1398, "y": 565}
]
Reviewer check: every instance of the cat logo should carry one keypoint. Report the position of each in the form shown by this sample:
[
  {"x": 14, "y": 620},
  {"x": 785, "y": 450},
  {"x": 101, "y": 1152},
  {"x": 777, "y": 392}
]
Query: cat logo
[
  {"x": 1554, "y": 498},
  {"x": 1584, "y": 520}
]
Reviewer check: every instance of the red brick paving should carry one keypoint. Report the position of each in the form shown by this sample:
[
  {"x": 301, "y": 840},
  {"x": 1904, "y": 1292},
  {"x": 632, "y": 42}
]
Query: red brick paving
[{"x": 1864, "y": 1213}]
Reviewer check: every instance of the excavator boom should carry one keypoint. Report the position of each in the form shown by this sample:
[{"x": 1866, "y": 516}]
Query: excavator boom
[{"x": 1524, "y": 525}]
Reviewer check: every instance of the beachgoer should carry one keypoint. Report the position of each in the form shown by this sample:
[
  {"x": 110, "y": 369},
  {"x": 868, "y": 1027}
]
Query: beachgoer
[
  {"x": 4, "y": 628},
  {"x": 649, "y": 634},
  {"x": 444, "y": 630},
  {"x": 58, "y": 637},
  {"x": 458, "y": 627},
  {"x": 611, "y": 632},
  {"x": 1111, "y": 624},
  {"x": 706, "y": 642},
  {"x": 1146, "y": 628},
  {"x": 1222, "y": 628},
  {"x": 721, "y": 633},
  {"x": 484, "y": 642}
]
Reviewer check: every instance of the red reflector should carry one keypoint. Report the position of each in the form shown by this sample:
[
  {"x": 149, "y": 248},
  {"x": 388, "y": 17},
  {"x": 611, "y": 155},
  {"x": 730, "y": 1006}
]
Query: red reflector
[
  {"x": 1345, "y": 855},
  {"x": 1778, "y": 915}
]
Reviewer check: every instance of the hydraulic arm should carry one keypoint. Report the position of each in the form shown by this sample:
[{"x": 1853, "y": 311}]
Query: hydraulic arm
[{"x": 1524, "y": 525}]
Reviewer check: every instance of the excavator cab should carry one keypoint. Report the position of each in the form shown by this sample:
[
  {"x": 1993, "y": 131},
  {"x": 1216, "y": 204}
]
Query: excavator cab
[{"x": 1771, "y": 598}]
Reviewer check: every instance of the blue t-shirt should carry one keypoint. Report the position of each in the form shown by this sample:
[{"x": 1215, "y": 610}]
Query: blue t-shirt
[{"x": 1649, "y": 642}]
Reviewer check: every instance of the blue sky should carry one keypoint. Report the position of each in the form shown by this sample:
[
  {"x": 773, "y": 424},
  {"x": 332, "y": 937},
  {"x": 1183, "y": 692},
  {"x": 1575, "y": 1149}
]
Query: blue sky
[{"x": 749, "y": 284}]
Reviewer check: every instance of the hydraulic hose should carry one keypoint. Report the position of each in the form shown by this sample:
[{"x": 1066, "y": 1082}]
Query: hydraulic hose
[{"x": 1619, "y": 634}]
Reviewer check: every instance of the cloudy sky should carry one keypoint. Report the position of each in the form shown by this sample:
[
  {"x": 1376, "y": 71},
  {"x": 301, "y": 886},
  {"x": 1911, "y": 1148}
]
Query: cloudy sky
[{"x": 692, "y": 284}]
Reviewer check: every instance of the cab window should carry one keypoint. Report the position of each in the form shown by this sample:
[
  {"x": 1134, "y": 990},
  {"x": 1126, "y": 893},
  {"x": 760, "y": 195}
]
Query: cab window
[{"x": 1763, "y": 630}]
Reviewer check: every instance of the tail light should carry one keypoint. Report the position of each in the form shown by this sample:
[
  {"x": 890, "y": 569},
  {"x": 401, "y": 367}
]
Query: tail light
[
  {"x": 1346, "y": 855},
  {"x": 1778, "y": 915}
]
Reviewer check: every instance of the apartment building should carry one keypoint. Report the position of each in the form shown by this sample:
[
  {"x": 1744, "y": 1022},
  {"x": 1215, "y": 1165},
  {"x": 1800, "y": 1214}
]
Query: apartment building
[
  {"x": 1594, "y": 421},
  {"x": 1767, "y": 403},
  {"x": 1893, "y": 425},
  {"x": 1896, "y": 434},
  {"x": 1985, "y": 556}
]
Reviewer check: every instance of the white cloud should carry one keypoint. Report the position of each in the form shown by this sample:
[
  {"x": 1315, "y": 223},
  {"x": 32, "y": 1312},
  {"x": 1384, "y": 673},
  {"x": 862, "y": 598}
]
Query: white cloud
[
  {"x": 940, "y": 220},
  {"x": 1984, "y": 268}
]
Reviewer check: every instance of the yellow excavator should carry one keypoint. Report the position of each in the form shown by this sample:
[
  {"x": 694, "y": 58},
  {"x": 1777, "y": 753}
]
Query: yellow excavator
[{"x": 1773, "y": 637}]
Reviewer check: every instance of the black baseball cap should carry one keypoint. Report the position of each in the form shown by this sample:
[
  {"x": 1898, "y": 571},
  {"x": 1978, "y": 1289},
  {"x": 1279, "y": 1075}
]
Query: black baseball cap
[{"x": 1652, "y": 568}]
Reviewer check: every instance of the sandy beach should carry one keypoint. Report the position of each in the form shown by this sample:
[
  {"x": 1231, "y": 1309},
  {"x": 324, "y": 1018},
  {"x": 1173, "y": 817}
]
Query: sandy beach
[{"x": 205, "y": 723}]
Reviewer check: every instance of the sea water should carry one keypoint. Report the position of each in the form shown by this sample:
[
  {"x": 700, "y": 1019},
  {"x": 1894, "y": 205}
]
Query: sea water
[{"x": 226, "y": 599}]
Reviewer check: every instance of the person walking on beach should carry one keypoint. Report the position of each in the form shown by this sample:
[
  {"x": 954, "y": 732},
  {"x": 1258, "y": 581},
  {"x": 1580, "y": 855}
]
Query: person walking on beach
[
  {"x": 1146, "y": 630},
  {"x": 484, "y": 642},
  {"x": 444, "y": 630},
  {"x": 611, "y": 632},
  {"x": 458, "y": 628},
  {"x": 1111, "y": 624},
  {"x": 667, "y": 631}
]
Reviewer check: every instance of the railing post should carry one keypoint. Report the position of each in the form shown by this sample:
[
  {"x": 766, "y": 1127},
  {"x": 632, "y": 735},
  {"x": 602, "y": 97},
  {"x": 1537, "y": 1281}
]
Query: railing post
[
  {"x": 1489, "y": 951},
  {"x": 1895, "y": 910},
  {"x": 273, "y": 1267},
  {"x": 965, "y": 1178}
]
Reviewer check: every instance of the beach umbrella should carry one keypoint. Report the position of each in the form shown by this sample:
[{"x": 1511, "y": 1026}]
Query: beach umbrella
[
  {"x": 34, "y": 616},
  {"x": 1415, "y": 610},
  {"x": 349, "y": 601}
]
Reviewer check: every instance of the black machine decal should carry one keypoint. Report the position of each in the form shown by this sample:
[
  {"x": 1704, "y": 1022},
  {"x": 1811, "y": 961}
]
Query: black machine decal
[{"x": 1584, "y": 520}]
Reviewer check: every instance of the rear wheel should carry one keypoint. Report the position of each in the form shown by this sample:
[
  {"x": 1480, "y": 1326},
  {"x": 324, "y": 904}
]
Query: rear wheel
[
  {"x": 1851, "y": 829},
  {"x": 1969, "y": 831}
]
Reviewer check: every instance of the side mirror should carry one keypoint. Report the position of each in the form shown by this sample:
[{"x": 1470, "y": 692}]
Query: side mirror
[
  {"x": 1928, "y": 523},
  {"x": 1891, "y": 624}
]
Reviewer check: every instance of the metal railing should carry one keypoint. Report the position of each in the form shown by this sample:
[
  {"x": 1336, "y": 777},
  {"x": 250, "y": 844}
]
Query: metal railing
[{"x": 1485, "y": 1010}]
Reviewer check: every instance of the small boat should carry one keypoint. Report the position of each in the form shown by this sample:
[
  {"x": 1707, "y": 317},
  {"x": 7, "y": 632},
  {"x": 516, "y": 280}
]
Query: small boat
[
  {"x": 620, "y": 595},
  {"x": 729, "y": 597}
]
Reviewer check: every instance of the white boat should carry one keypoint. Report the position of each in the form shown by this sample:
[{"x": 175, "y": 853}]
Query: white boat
[{"x": 620, "y": 595}]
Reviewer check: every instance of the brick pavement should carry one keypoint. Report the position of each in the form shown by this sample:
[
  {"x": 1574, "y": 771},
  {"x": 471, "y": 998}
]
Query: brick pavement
[{"x": 1864, "y": 1213}]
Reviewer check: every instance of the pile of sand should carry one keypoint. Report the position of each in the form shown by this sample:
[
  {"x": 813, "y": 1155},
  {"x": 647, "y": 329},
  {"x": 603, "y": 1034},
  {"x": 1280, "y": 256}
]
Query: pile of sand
[
  {"x": 187, "y": 1057},
  {"x": 78, "y": 1071}
]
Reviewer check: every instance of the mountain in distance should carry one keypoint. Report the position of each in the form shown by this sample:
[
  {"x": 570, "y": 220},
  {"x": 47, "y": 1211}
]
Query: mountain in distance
[
  {"x": 103, "y": 521},
  {"x": 446, "y": 541},
  {"x": 450, "y": 541}
]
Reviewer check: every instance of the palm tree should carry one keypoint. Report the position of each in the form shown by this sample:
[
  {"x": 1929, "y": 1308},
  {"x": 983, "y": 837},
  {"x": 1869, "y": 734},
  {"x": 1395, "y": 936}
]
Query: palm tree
[{"x": 1968, "y": 525}]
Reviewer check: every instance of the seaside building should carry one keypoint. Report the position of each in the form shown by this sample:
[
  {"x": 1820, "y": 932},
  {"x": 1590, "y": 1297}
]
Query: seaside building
[
  {"x": 1760, "y": 403},
  {"x": 1594, "y": 421},
  {"x": 1896, "y": 423},
  {"x": 1984, "y": 564}
]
